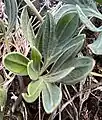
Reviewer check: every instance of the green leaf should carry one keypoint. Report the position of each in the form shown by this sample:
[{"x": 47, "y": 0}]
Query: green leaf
[
  {"x": 3, "y": 96},
  {"x": 86, "y": 21},
  {"x": 88, "y": 7},
  {"x": 1, "y": 115},
  {"x": 32, "y": 72},
  {"x": 51, "y": 97},
  {"x": 30, "y": 34},
  {"x": 1, "y": 79},
  {"x": 82, "y": 3},
  {"x": 2, "y": 29},
  {"x": 70, "y": 50},
  {"x": 16, "y": 63},
  {"x": 63, "y": 10},
  {"x": 24, "y": 21},
  {"x": 27, "y": 27},
  {"x": 96, "y": 46},
  {"x": 11, "y": 10},
  {"x": 83, "y": 66},
  {"x": 57, "y": 76},
  {"x": 48, "y": 37},
  {"x": 66, "y": 27},
  {"x": 34, "y": 90},
  {"x": 36, "y": 57}
]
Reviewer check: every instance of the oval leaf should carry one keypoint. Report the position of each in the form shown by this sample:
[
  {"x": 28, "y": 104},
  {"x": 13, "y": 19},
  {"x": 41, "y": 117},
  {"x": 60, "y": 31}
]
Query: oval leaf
[
  {"x": 51, "y": 97},
  {"x": 83, "y": 66},
  {"x": 16, "y": 63},
  {"x": 66, "y": 27}
]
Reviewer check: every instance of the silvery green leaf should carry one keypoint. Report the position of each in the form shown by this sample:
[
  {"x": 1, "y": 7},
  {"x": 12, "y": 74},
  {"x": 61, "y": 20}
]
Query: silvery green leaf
[
  {"x": 48, "y": 42},
  {"x": 96, "y": 46},
  {"x": 51, "y": 97},
  {"x": 89, "y": 12},
  {"x": 88, "y": 7},
  {"x": 70, "y": 50},
  {"x": 66, "y": 27},
  {"x": 16, "y": 63},
  {"x": 27, "y": 27},
  {"x": 57, "y": 76},
  {"x": 24, "y": 21},
  {"x": 1, "y": 79},
  {"x": 3, "y": 96},
  {"x": 64, "y": 38},
  {"x": 30, "y": 34},
  {"x": 1, "y": 115},
  {"x": 34, "y": 90},
  {"x": 86, "y": 21},
  {"x": 36, "y": 57},
  {"x": 2, "y": 29},
  {"x": 64, "y": 9},
  {"x": 32, "y": 72},
  {"x": 83, "y": 66},
  {"x": 11, "y": 11},
  {"x": 82, "y": 3}
]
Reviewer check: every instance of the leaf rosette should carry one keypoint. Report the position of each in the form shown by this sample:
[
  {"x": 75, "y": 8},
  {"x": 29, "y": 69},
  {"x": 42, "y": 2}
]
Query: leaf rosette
[{"x": 54, "y": 59}]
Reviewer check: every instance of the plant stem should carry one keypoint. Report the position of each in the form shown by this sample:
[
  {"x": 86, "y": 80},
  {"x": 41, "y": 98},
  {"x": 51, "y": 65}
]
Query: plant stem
[{"x": 29, "y": 3}]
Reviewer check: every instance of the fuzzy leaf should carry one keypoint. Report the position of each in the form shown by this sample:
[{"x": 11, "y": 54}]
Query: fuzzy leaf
[
  {"x": 96, "y": 46},
  {"x": 69, "y": 50},
  {"x": 11, "y": 10},
  {"x": 57, "y": 76},
  {"x": 86, "y": 21},
  {"x": 82, "y": 3},
  {"x": 2, "y": 29},
  {"x": 27, "y": 27},
  {"x": 1, "y": 79},
  {"x": 66, "y": 27},
  {"x": 51, "y": 97},
  {"x": 3, "y": 96},
  {"x": 24, "y": 21},
  {"x": 83, "y": 66},
  {"x": 16, "y": 63},
  {"x": 36, "y": 57},
  {"x": 33, "y": 74},
  {"x": 34, "y": 90},
  {"x": 88, "y": 7},
  {"x": 63, "y": 10},
  {"x": 1, "y": 115},
  {"x": 58, "y": 46},
  {"x": 30, "y": 34},
  {"x": 49, "y": 41}
]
